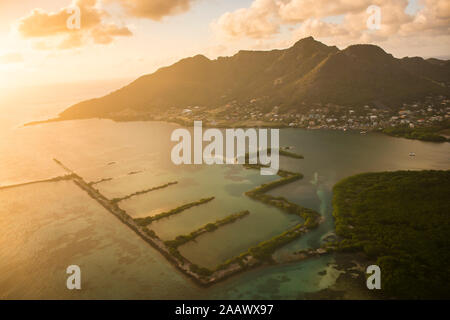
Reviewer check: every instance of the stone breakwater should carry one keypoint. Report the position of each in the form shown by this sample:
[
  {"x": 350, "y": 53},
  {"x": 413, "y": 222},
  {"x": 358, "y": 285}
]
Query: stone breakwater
[{"x": 252, "y": 258}]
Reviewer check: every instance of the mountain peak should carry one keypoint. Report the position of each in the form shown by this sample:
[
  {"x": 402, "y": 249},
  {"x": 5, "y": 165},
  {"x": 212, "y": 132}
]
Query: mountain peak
[
  {"x": 366, "y": 51},
  {"x": 308, "y": 72},
  {"x": 306, "y": 40},
  {"x": 199, "y": 57},
  {"x": 309, "y": 43},
  {"x": 192, "y": 61}
]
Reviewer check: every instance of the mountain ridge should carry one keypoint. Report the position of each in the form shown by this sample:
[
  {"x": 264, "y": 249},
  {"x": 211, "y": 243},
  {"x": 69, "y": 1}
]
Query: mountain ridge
[{"x": 309, "y": 72}]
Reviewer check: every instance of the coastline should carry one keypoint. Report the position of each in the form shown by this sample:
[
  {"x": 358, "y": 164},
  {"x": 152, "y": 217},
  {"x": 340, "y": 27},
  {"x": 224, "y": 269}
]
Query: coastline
[
  {"x": 243, "y": 125},
  {"x": 351, "y": 282},
  {"x": 342, "y": 279}
]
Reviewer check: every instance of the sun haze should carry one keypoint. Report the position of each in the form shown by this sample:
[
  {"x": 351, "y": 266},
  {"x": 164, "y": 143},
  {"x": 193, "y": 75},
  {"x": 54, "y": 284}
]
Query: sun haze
[{"x": 42, "y": 44}]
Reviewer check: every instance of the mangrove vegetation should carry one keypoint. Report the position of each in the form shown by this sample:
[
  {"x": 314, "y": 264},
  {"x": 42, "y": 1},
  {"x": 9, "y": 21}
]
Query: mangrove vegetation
[
  {"x": 210, "y": 227},
  {"x": 143, "y": 222},
  {"x": 116, "y": 200},
  {"x": 401, "y": 220},
  {"x": 431, "y": 134}
]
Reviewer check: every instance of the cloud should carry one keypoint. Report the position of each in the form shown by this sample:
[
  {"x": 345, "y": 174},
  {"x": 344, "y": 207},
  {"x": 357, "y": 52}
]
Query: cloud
[
  {"x": 265, "y": 18},
  {"x": 43, "y": 24},
  {"x": 60, "y": 31},
  {"x": 72, "y": 41},
  {"x": 9, "y": 58},
  {"x": 260, "y": 20},
  {"x": 433, "y": 19},
  {"x": 52, "y": 28},
  {"x": 106, "y": 33},
  {"x": 301, "y": 10},
  {"x": 154, "y": 9},
  {"x": 353, "y": 26}
]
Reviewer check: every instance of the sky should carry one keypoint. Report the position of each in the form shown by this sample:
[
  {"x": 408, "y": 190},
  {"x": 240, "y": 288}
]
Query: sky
[{"x": 67, "y": 41}]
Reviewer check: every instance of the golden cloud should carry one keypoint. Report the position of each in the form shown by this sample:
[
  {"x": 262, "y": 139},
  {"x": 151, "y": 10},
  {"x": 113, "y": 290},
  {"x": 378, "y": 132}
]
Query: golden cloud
[
  {"x": 106, "y": 33},
  {"x": 154, "y": 9},
  {"x": 50, "y": 25},
  {"x": 264, "y": 18},
  {"x": 258, "y": 21},
  {"x": 302, "y": 10}
]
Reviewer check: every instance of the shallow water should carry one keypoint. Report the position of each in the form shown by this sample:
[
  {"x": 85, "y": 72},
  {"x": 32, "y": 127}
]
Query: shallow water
[{"x": 46, "y": 227}]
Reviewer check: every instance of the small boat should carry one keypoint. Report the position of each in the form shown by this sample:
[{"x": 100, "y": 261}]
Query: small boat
[
  {"x": 412, "y": 154},
  {"x": 363, "y": 132}
]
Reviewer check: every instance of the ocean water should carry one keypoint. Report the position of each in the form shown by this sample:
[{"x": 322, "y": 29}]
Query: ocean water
[{"x": 46, "y": 227}]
